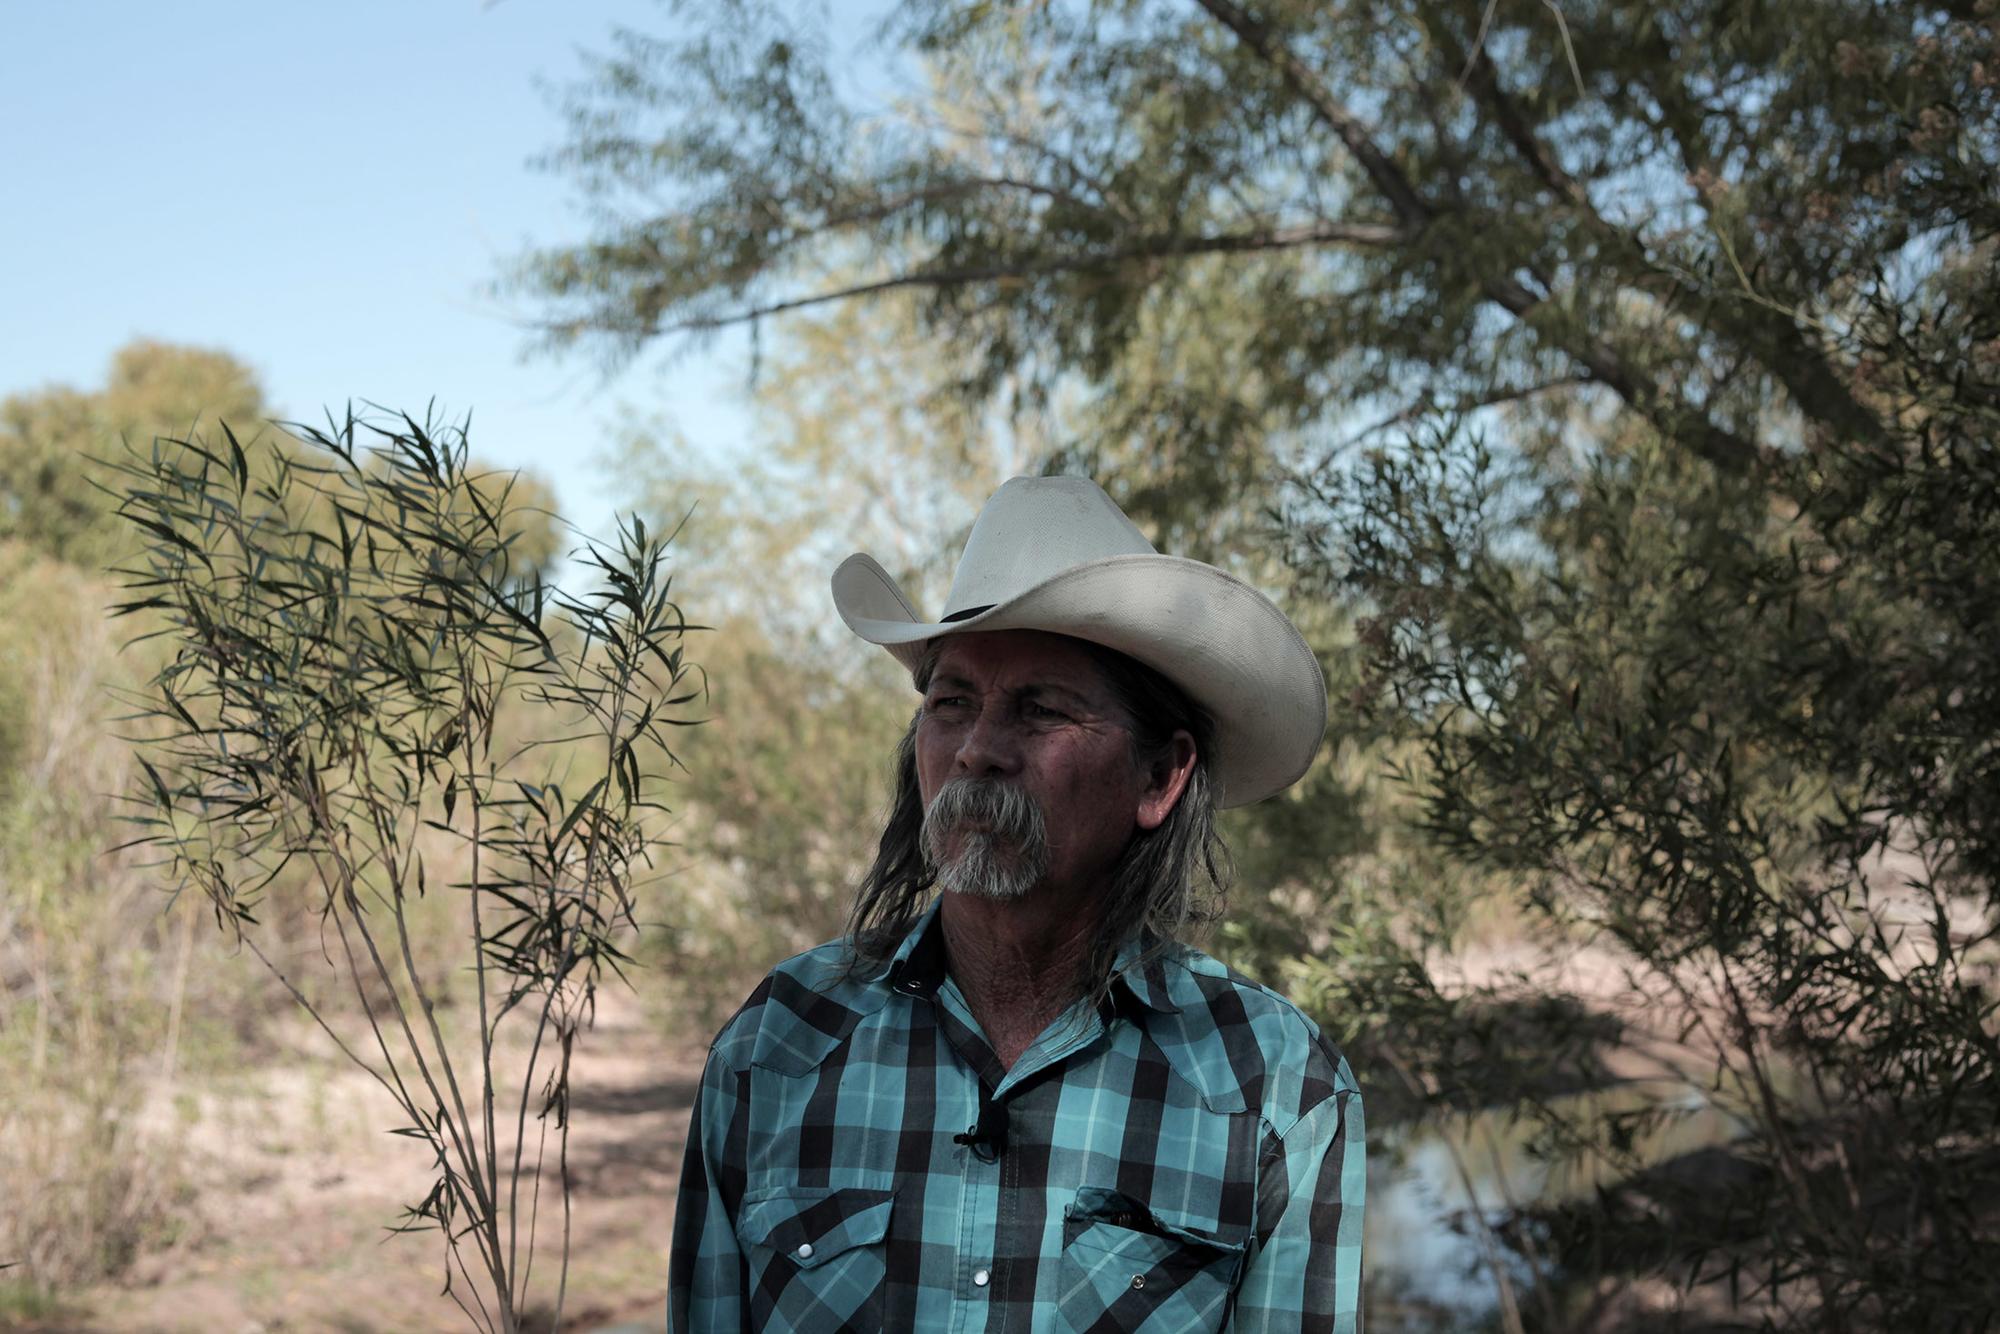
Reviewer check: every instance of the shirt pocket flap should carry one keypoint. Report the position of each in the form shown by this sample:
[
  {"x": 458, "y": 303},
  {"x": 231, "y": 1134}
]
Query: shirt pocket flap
[
  {"x": 1104, "y": 1220},
  {"x": 812, "y": 1226},
  {"x": 1127, "y": 1267}
]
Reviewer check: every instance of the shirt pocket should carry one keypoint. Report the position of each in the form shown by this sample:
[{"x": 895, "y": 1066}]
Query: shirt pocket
[
  {"x": 817, "y": 1257},
  {"x": 1128, "y": 1270}
]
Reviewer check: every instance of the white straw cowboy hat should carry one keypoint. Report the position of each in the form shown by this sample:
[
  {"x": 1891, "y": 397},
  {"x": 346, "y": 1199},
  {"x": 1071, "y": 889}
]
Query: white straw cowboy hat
[{"x": 1057, "y": 554}]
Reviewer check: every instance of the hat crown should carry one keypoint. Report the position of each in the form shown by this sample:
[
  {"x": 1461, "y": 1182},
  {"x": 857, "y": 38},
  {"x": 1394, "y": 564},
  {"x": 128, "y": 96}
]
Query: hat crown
[
  {"x": 1054, "y": 554},
  {"x": 1032, "y": 529}
]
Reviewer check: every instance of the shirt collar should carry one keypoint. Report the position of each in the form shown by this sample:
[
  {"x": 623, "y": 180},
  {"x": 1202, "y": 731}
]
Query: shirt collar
[
  {"x": 918, "y": 967},
  {"x": 1145, "y": 980}
]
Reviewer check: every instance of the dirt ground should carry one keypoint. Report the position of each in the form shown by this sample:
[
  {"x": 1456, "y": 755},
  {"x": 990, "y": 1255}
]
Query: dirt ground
[{"x": 294, "y": 1183}]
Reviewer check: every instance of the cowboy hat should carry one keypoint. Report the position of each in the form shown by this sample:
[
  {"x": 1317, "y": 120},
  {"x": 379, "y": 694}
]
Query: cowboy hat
[{"x": 1057, "y": 554}]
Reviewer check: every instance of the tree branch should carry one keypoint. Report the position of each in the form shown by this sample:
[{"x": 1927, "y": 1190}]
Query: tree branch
[
  {"x": 879, "y": 209},
  {"x": 1154, "y": 248},
  {"x": 1785, "y": 353},
  {"x": 1471, "y": 403},
  {"x": 1604, "y": 362},
  {"x": 1395, "y": 187},
  {"x": 1484, "y": 81}
]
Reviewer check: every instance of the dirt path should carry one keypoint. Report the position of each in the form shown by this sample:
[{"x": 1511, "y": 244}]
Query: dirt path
[{"x": 295, "y": 1181}]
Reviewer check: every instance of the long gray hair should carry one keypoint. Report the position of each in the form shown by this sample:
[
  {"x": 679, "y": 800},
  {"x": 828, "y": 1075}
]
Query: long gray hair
[{"x": 1169, "y": 881}]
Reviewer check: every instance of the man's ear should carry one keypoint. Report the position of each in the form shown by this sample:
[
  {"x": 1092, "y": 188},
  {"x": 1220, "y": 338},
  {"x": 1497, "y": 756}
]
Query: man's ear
[{"x": 1166, "y": 781}]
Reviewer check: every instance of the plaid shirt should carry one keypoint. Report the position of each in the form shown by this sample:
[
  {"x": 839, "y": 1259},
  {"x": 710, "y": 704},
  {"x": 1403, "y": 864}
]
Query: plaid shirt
[{"x": 1186, "y": 1157}]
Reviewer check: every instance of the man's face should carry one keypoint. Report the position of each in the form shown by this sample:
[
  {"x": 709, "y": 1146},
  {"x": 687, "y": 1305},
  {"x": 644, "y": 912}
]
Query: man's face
[{"x": 1030, "y": 711}]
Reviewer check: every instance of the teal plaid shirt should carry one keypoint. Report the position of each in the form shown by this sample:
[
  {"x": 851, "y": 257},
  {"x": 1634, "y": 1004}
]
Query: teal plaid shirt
[{"x": 1186, "y": 1157}]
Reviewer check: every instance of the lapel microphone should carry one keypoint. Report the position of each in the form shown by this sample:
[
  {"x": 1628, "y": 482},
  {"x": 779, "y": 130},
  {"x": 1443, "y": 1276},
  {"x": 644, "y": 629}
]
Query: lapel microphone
[{"x": 989, "y": 1136}]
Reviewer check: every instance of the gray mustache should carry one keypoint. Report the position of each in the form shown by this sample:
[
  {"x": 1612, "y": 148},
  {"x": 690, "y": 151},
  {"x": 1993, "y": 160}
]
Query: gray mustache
[{"x": 1000, "y": 813}]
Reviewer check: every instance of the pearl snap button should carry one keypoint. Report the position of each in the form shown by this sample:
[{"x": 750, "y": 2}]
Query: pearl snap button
[
  {"x": 1138, "y": 1280},
  {"x": 805, "y": 1250},
  {"x": 980, "y": 1278}
]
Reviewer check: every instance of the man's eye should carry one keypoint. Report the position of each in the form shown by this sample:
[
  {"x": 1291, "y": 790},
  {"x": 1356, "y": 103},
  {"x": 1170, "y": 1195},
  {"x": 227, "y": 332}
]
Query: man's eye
[
  {"x": 1045, "y": 714},
  {"x": 945, "y": 702}
]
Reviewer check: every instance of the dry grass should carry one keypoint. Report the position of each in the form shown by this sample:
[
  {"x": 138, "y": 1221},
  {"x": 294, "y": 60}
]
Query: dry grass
[
  {"x": 293, "y": 1185},
  {"x": 93, "y": 981}
]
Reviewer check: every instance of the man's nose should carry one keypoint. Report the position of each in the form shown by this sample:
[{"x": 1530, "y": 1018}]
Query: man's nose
[{"x": 989, "y": 746}]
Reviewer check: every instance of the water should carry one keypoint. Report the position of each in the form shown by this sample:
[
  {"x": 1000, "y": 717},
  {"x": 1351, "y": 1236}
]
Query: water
[{"x": 1433, "y": 1262}]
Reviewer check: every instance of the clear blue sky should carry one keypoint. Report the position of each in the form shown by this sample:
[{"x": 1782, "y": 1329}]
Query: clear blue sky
[{"x": 324, "y": 190}]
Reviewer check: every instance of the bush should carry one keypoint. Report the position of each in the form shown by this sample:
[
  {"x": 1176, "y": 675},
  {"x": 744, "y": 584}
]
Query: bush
[{"x": 346, "y": 629}]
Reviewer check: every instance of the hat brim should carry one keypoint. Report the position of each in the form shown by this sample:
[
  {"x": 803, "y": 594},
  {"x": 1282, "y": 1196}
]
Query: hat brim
[{"x": 1224, "y": 643}]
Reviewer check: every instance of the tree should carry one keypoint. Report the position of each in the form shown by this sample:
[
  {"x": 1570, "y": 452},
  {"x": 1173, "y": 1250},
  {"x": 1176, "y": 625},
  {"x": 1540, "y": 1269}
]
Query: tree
[
  {"x": 51, "y": 502},
  {"x": 1633, "y": 370},
  {"x": 367, "y": 685},
  {"x": 47, "y": 499}
]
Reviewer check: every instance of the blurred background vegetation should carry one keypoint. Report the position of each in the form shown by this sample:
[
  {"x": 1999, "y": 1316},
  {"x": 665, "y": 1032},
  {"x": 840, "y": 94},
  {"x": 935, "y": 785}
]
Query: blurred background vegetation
[{"x": 1609, "y": 390}]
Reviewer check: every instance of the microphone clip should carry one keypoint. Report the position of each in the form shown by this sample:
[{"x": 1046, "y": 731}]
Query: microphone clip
[{"x": 989, "y": 1137}]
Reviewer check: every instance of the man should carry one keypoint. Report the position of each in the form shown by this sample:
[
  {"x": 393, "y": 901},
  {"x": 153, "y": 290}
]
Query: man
[{"x": 1019, "y": 1104}]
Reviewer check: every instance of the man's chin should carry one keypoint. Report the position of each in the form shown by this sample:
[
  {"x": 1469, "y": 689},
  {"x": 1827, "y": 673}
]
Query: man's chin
[
  {"x": 990, "y": 883},
  {"x": 991, "y": 892}
]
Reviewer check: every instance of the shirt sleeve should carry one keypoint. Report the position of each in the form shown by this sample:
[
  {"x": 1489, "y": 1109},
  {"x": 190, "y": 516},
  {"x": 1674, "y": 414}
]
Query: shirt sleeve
[
  {"x": 1304, "y": 1275},
  {"x": 707, "y": 1278}
]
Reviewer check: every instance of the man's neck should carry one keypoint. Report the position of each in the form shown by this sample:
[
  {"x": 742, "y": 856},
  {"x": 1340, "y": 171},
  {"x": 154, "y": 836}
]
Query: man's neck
[{"x": 1015, "y": 961}]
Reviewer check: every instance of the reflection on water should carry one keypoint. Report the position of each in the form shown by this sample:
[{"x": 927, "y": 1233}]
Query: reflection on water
[
  {"x": 1426, "y": 1266},
  {"x": 1436, "y": 1193}
]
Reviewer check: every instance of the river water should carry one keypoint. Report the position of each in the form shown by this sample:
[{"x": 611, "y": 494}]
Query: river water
[{"x": 1435, "y": 1193}]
